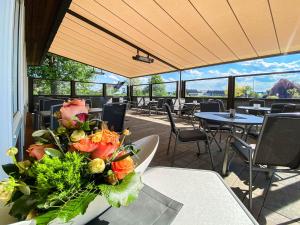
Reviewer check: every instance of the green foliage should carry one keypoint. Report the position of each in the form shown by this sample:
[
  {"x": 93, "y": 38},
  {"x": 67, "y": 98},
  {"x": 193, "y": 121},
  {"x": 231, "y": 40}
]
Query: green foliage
[
  {"x": 159, "y": 89},
  {"x": 125, "y": 192},
  {"x": 245, "y": 91},
  {"x": 294, "y": 92},
  {"x": 58, "y": 68},
  {"x": 22, "y": 206},
  {"x": 58, "y": 174},
  {"x": 70, "y": 209}
]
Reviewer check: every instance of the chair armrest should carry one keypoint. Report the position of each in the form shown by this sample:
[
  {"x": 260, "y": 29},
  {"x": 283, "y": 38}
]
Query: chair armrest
[{"x": 241, "y": 141}]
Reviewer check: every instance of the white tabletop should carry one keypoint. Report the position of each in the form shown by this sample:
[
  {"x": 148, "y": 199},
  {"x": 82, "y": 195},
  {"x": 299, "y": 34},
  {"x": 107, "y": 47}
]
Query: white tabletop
[
  {"x": 254, "y": 108},
  {"x": 206, "y": 198}
]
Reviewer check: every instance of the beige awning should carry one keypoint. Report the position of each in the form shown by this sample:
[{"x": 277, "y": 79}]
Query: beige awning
[{"x": 178, "y": 34}]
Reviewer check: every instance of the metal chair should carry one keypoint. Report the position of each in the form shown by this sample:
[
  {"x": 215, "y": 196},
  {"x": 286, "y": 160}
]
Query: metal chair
[
  {"x": 187, "y": 136},
  {"x": 278, "y": 145},
  {"x": 212, "y": 127},
  {"x": 53, "y": 120},
  {"x": 114, "y": 115}
]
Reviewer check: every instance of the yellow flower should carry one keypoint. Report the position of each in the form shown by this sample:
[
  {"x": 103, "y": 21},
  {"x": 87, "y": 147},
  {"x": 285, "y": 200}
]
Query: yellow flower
[
  {"x": 126, "y": 132},
  {"x": 97, "y": 137},
  {"x": 12, "y": 151},
  {"x": 77, "y": 135},
  {"x": 24, "y": 166},
  {"x": 7, "y": 189},
  {"x": 96, "y": 166}
]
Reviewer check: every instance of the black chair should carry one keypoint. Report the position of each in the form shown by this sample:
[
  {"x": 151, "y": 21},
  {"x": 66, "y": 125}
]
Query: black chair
[
  {"x": 213, "y": 127},
  {"x": 282, "y": 107},
  {"x": 278, "y": 145},
  {"x": 186, "y": 136},
  {"x": 114, "y": 115},
  {"x": 89, "y": 102},
  {"x": 159, "y": 106},
  {"x": 53, "y": 120},
  {"x": 45, "y": 114},
  {"x": 289, "y": 108}
]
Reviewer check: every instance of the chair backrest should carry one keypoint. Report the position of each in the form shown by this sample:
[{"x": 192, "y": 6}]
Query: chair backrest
[
  {"x": 277, "y": 107},
  {"x": 114, "y": 100},
  {"x": 257, "y": 101},
  {"x": 160, "y": 102},
  {"x": 278, "y": 143},
  {"x": 114, "y": 115},
  {"x": 173, "y": 126},
  {"x": 220, "y": 102},
  {"x": 48, "y": 103},
  {"x": 289, "y": 108},
  {"x": 88, "y": 102},
  {"x": 210, "y": 107},
  {"x": 53, "y": 120}
]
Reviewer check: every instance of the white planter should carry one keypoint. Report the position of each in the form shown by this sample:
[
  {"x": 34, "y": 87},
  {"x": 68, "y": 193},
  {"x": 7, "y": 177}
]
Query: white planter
[{"x": 148, "y": 146}]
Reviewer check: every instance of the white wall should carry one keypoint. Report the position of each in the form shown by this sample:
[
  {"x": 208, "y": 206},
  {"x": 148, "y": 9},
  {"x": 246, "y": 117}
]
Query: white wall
[{"x": 11, "y": 125}]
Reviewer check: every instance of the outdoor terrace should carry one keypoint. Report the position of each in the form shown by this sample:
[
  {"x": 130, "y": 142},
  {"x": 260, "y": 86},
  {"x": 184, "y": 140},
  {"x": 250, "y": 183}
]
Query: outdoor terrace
[{"x": 275, "y": 200}]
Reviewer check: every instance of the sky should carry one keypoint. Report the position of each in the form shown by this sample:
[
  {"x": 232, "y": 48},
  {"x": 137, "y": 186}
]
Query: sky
[{"x": 271, "y": 64}]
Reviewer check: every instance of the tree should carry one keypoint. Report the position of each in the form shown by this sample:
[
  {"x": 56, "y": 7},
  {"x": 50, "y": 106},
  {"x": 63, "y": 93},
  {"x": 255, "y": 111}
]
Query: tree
[
  {"x": 244, "y": 91},
  {"x": 159, "y": 89},
  {"x": 282, "y": 87},
  {"x": 59, "y": 68}
]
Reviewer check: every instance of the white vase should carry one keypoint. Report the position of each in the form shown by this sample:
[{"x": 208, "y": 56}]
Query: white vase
[{"x": 148, "y": 147}]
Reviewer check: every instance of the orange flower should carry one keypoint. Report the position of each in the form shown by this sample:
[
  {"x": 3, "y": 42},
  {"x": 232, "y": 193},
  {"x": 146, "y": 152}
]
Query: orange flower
[
  {"x": 123, "y": 167},
  {"x": 104, "y": 150},
  {"x": 72, "y": 111},
  {"x": 107, "y": 142},
  {"x": 85, "y": 145},
  {"x": 38, "y": 150}
]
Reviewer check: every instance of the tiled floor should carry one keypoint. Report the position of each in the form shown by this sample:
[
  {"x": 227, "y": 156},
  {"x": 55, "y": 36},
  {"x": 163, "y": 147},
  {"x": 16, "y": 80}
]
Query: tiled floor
[{"x": 276, "y": 201}]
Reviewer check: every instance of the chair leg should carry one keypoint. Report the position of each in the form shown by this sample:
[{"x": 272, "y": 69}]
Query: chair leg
[
  {"x": 250, "y": 180},
  {"x": 207, "y": 145},
  {"x": 198, "y": 146},
  {"x": 169, "y": 143},
  {"x": 174, "y": 151}
]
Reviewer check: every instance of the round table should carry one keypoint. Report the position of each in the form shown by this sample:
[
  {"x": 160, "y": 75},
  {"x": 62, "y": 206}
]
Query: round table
[
  {"x": 252, "y": 108},
  {"x": 223, "y": 117}
]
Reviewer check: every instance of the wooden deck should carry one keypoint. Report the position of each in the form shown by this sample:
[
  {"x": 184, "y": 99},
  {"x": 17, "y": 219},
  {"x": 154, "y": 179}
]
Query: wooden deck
[{"x": 275, "y": 200}]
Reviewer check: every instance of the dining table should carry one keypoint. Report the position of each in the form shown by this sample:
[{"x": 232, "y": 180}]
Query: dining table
[{"x": 205, "y": 197}]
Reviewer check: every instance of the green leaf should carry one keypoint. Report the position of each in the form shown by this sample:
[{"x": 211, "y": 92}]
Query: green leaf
[
  {"x": 69, "y": 210},
  {"x": 24, "y": 188},
  {"x": 10, "y": 169},
  {"x": 22, "y": 206},
  {"x": 85, "y": 126},
  {"x": 39, "y": 133},
  {"x": 53, "y": 152},
  {"x": 125, "y": 192}
]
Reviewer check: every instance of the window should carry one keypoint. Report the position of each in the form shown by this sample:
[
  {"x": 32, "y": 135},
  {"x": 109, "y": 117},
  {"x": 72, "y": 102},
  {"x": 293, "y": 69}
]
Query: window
[
  {"x": 140, "y": 90},
  {"x": 92, "y": 89},
  {"x": 116, "y": 90},
  {"x": 51, "y": 87},
  {"x": 164, "y": 90},
  {"x": 268, "y": 86},
  {"x": 207, "y": 88}
]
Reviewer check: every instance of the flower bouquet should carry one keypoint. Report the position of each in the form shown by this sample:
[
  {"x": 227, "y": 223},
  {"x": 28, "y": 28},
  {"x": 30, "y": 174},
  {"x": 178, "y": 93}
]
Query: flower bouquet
[{"x": 68, "y": 168}]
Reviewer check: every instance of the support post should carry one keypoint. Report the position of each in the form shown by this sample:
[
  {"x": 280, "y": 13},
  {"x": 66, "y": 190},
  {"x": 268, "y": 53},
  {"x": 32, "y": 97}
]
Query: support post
[
  {"x": 73, "y": 87},
  {"x": 231, "y": 92},
  {"x": 30, "y": 94}
]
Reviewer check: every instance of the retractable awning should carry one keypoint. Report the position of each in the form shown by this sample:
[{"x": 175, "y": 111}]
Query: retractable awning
[{"x": 178, "y": 34}]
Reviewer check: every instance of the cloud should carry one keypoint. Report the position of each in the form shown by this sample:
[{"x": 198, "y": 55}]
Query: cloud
[
  {"x": 273, "y": 66},
  {"x": 169, "y": 79},
  {"x": 114, "y": 77}
]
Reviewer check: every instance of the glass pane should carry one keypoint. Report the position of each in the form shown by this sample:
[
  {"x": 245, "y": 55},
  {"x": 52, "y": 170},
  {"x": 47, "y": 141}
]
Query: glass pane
[
  {"x": 268, "y": 86},
  {"x": 140, "y": 90},
  {"x": 164, "y": 90},
  {"x": 116, "y": 90},
  {"x": 94, "y": 89},
  {"x": 207, "y": 88},
  {"x": 15, "y": 74},
  {"x": 51, "y": 87}
]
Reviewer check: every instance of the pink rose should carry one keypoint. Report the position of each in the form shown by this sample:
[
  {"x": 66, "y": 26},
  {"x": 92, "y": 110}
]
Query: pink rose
[{"x": 72, "y": 112}]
